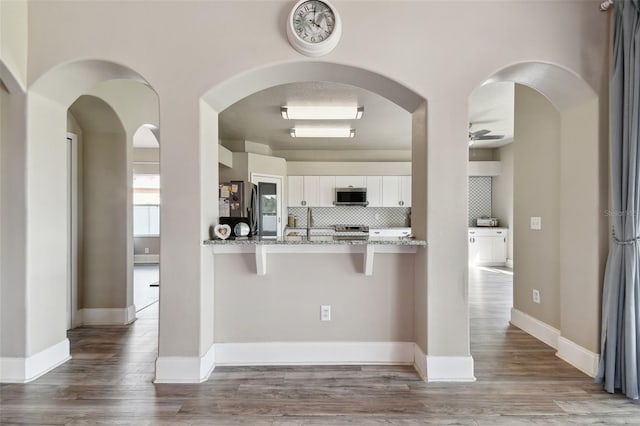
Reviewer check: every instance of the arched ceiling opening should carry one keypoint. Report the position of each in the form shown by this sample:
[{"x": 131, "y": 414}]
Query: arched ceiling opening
[
  {"x": 66, "y": 82},
  {"x": 95, "y": 115},
  {"x": 564, "y": 88},
  {"x": 243, "y": 85},
  {"x": 491, "y": 105}
]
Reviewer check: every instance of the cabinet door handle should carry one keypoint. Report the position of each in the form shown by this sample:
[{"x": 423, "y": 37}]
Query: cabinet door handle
[
  {"x": 304, "y": 203},
  {"x": 401, "y": 203},
  {"x": 505, "y": 240}
]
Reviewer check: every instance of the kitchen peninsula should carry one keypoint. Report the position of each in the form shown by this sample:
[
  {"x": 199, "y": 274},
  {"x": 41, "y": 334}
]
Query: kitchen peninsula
[{"x": 320, "y": 244}]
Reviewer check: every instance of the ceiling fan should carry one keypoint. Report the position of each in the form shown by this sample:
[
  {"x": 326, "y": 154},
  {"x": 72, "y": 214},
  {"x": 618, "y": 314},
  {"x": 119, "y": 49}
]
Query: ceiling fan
[{"x": 482, "y": 135}]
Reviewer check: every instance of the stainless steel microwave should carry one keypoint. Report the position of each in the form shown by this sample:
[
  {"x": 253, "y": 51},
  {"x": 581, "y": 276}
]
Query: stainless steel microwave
[{"x": 351, "y": 197}]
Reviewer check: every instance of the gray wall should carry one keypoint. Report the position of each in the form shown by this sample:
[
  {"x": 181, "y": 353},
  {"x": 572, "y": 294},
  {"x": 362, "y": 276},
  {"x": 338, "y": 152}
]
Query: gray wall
[
  {"x": 276, "y": 308},
  {"x": 537, "y": 193},
  {"x": 502, "y": 193}
]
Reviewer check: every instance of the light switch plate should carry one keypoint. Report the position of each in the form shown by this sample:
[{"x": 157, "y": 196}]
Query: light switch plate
[{"x": 536, "y": 223}]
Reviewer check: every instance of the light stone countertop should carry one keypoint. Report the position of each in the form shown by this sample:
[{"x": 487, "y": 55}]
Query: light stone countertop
[{"x": 320, "y": 240}]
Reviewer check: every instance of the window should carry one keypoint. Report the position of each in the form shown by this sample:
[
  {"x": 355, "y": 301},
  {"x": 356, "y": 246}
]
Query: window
[{"x": 146, "y": 205}]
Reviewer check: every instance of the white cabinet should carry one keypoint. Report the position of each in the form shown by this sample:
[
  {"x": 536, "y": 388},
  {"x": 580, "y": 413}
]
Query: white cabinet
[
  {"x": 295, "y": 191},
  {"x": 374, "y": 191},
  {"x": 311, "y": 191},
  {"x": 396, "y": 191},
  {"x": 390, "y": 232},
  {"x": 405, "y": 191},
  {"x": 351, "y": 181},
  {"x": 487, "y": 246},
  {"x": 326, "y": 191}
]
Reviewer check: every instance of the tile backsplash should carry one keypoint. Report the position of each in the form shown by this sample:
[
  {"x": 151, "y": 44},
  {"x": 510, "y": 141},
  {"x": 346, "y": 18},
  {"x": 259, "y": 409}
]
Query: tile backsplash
[
  {"x": 373, "y": 217},
  {"x": 479, "y": 198}
]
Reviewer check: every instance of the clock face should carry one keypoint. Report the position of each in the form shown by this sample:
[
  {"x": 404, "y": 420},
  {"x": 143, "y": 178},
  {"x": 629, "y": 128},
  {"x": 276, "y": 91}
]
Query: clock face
[{"x": 313, "y": 21}]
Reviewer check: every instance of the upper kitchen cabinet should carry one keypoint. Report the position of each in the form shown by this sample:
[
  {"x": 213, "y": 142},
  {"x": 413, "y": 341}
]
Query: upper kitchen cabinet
[
  {"x": 311, "y": 191},
  {"x": 396, "y": 191},
  {"x": 374, "y": 191},
  {"x": 351, "y": 181},
  {"x": 326, "y": 191}
]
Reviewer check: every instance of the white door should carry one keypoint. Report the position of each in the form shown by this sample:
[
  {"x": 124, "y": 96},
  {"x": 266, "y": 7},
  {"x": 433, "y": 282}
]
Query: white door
[{"x": 270, "y": 204}]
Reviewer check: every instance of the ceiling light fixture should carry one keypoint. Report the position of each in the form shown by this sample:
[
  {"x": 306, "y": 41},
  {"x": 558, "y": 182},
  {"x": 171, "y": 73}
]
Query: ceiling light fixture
[
  {"x": 321, "y": 112},
  {"x": 323, "y": 132}
]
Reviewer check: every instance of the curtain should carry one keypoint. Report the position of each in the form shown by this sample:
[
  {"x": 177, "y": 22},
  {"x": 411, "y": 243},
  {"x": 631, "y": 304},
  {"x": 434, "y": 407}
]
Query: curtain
[{"x": 619, "y": 366}]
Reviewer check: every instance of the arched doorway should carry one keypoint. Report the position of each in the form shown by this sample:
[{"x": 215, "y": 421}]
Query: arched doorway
[
  {"x": 45, "y": 226},
  {"x": 173, "y": 364},
  {"x": 555, "y": 168}
]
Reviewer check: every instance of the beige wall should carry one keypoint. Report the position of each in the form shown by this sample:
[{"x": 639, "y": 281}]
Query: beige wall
[
  {"x": 276, "y": 308},
  {"x": 14, "y": 38},
  {"x": 502, "y": 193},
  {"x": 584, "y": 229},
  {"x": 105, "y": 207},
  {"x": 446, "y": 38},
  {"x": 536, "y": 193},
  {"x": 12, "y": 224}
]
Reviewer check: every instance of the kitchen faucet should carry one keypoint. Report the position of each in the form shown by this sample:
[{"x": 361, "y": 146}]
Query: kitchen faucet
[{"x": 309, "y": 222}]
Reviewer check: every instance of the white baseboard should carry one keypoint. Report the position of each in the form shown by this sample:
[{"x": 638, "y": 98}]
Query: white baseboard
[
  {"x": 184, "y": 369},
  {"x": 535, "y": 327},
  {"x": 450, "y": 369},
  {"x": 24, "y": 370},
  {"x": 420, "y": 362},
  {"x": 581, "y": 358},
  {"x": 314, "y": 353},
  {"x": 146, "y": 258},
  {"x": 108, "y": 316}
]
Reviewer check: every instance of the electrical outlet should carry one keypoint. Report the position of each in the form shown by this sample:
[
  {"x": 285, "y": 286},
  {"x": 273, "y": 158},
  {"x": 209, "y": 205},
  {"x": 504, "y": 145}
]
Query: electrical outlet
[
  {"x": 325, "y": 312},
  {"x": 146, "y": 250},
  {"x": 536, "y": 296},
  {"x": 536, "y": 223}
]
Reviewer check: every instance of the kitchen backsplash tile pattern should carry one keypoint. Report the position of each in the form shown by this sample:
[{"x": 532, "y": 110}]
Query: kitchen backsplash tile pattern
[
  {"x": 373, "y": 217},
  {"x": 479, "y": 198}
]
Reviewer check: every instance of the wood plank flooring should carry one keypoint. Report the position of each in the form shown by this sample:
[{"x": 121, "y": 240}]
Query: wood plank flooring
[{"x": 520, "y": 382}]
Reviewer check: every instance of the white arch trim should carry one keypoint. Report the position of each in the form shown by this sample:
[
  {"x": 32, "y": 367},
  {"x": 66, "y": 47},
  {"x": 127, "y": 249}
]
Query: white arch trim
[
  {"x": 564, "y": 88},
  {"x": 255, "y": 80}
]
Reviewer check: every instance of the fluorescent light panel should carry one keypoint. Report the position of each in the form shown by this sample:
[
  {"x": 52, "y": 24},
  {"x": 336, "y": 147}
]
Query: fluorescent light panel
[
  {"x": 321, "y": 112},
  {"x": 323, "y": 132}
]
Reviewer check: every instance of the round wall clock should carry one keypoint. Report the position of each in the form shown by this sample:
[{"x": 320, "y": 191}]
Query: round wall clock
[{"x": 314, "y": 27}]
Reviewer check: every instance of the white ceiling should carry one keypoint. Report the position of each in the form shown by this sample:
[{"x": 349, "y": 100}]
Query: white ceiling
[
  {"x": 144, "y": 138},
  {"x": 384, "y": 126},
  {"x": 491, "y": 107}
]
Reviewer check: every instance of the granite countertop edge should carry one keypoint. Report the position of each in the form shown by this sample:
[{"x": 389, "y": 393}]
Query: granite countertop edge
[{"x": 396, "y": 241}]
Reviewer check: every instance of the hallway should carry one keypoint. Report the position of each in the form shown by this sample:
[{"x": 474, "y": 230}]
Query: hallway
[{"x": 520, "y": 382}]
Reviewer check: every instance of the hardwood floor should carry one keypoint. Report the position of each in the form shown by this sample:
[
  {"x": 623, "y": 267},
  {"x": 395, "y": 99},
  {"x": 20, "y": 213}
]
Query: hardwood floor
[{"x": 520, "y": 382}]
